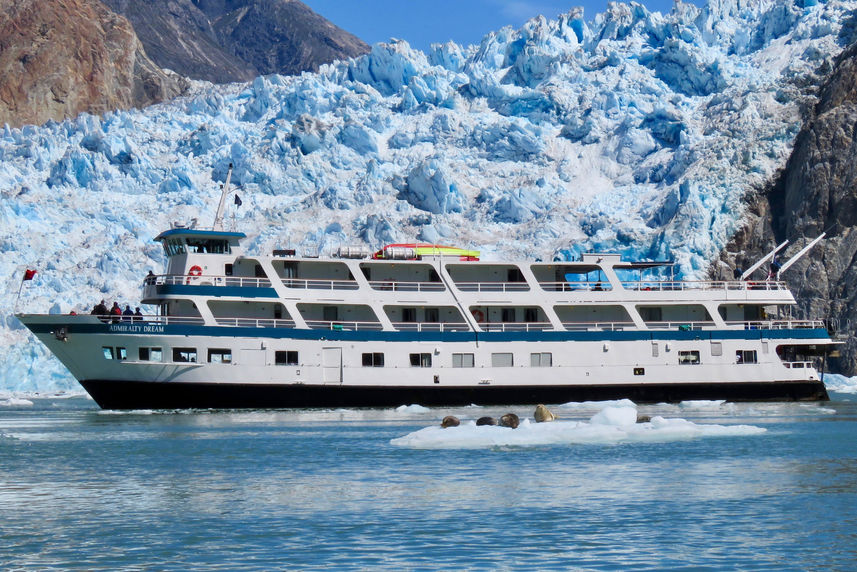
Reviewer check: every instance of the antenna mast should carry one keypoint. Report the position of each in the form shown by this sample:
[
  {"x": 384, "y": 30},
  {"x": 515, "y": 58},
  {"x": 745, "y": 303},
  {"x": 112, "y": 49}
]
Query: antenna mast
[{"x": 218, "y": 217}]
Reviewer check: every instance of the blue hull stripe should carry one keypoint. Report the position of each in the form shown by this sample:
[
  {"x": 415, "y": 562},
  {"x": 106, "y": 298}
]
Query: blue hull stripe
[
  {"x": 146, "y": 329},
  {"x": 215, "y": 291}
]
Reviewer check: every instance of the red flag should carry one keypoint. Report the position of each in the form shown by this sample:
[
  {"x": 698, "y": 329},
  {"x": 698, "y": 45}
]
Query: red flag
[{"x": 28, "y": 275}]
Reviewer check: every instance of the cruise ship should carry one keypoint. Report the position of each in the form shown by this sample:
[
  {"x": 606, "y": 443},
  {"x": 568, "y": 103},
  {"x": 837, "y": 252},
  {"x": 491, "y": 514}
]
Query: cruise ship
[{"x": 433, "y": 325}]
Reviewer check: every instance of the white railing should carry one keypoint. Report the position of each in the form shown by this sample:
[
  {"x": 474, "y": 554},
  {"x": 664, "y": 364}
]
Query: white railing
[
  {"x": 207, "y": 280},
  {"x": 657, "y": 285},
  {"x": 431, "y": 326},
  {"x": 320, "y": 284},
  {"x": 492, "y": 286},
  {"x": 607, "y": 326},
  {"x": 779, "y": 324},
  {"x": 515, "y": 326},
  {"x": 798, "y": 364},
  {"x": 407, "y": 286},
  {"x": 254, "y": 322},
  {"x": 340, "y": 326},
  {"x": 595, "y": 286}
]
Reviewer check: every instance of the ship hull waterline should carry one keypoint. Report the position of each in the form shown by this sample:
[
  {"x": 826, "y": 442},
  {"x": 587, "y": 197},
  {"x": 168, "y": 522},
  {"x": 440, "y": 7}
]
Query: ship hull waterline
[{"x": 129, "y": 395}]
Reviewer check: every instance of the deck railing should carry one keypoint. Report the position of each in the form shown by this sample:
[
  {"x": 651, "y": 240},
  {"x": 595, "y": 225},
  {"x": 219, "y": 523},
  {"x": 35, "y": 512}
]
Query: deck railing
[
  {"x": 394, "y": 286},
  {"x": 798, "y": 364},
  {"x": 493, "y": 286},
  {"x": 207, "y": 280},
  {"x": 431, "y": 326},
  {"x": 320, "y": 284},
  {"x": 340, "y": 326},
  {"x": 515, "y": 326}
]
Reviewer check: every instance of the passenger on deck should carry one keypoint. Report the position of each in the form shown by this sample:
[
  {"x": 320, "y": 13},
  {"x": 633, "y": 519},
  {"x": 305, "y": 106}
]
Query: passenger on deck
[
  {"x": 100, "y": 309},
  {"x": 116, "y": 312},
  {"x": 598, "y": 287},
  {"x": 127, "y": 313},
  {"x": 138, "y": 315}
]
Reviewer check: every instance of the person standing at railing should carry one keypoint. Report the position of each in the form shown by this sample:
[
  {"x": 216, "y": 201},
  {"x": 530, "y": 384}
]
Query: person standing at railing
[{"x": 138, "y": 315}]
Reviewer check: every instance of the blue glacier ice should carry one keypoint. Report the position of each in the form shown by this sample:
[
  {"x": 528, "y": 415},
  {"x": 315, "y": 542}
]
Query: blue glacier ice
[{"x": 635, "y": 132}]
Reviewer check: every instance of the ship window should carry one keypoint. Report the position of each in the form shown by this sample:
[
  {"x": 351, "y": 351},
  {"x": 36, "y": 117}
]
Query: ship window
[
  {"x": 502, "y": 360},
  {"x": 543, "y": 359},
  {"x": 213, "y": 246},
  {"x": 409, "y": 314},
  {"x": 174, "y": 246},
  {"x": 508, "y": 314},
  {"x": 150, "y": 354},
  {"x": 184, "y": 354},
  {"x": 462, "y": 360},
  {"x": 375, "y": 359},
  {"x": 746, "y": 356},
  {"x": 286, "y": 358},
  {"x": 108, "y": 352},
  {"x": 690, "y": 357},
  {"x": 227, "y": 269},
  {"x": 717, "y": 348},
  {"x": 330, "y": 313},
  {"x": 219, "y": 356},
  {"x": 651, "y": 313},
  {"x": 421, "y": 360},
  {"x": 639, "y": 371},
  {"x": 432, "y": 315},
  {"x": 531, "y": 315},
  {"x": 121, "y": 353}
]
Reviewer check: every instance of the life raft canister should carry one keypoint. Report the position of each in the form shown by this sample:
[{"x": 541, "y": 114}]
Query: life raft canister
[{"x": 478, "y": 315}]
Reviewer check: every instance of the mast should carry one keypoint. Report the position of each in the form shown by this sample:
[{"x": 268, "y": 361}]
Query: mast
[
  {"x": 218, "y": 217},
  {"x": 795, "y": 258}
]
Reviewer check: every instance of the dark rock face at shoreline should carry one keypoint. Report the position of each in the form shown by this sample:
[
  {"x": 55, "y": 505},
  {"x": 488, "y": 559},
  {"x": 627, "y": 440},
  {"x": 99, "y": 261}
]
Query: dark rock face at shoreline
[
  {"x": 58, "y": 59},
  {"x": 236, "y": 40},
  {"x": 816, "y": 192}
]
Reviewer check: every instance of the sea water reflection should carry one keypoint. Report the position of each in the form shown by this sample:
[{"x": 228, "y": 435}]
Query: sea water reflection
[{"x": 85, "y": 489}]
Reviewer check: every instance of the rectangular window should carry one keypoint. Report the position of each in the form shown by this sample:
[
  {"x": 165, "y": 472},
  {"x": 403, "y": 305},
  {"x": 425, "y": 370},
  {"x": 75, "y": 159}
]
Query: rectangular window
[
  {"x": 150, "y": 354},
  {"x": 184, "y": 354},
  {"x": 375, "y": 359},
  {"x": 409, "y": 314},
  {"x": 651, "y": 313},
  {"x": 219, "y": 356},
  {"x": 286, "y": 358},
  {"x": 420, "y": 360},
  {"x": 462, "y": 360},
  {"x": 502, "y": 360},
  {"x": 432, "y": 315},
  {"x": 639, "y": 371},
  {"x": 690, "y": 357},
  {"x": 121, "y": 353},
  {"x": 717, "y": 348},
  {"x": 746, "y": 356},
  {"x": 227, "y": 269},
  {"x": 531, "y": 314},
  {"x": 655, "y": 351},
  {"x": 108, "y": 352},
  {"x": 543, "y": 359},
  {"x": 508, "y": 315}
]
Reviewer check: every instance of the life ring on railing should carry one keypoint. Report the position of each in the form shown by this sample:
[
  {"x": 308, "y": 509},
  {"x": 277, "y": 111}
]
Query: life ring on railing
[
  {"x": 195, "y": 271},
  {"x": 478, "y": 315}
]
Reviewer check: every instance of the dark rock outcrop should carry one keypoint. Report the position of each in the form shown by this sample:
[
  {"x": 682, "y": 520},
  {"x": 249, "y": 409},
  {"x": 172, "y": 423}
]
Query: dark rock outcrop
[
  {"x": 816, "y": 192},
  {"x": 64, "y": 57},
  {"x": 236, "y": 40}
]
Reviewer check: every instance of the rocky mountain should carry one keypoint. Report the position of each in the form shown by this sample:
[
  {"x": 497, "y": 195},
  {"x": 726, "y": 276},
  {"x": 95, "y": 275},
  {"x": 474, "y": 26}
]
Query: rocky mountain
[
  {"x": 236, "y": 40},
  {"x": 816, "y": 192},
  {"x": 63, "y": 57}
]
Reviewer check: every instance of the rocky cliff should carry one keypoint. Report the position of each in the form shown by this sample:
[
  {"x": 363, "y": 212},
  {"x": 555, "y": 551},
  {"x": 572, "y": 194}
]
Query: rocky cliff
[
  {"x": 63, "y": 57},
  {"x": 237, "y": 40},
  {"x": 816, "y": 192}
]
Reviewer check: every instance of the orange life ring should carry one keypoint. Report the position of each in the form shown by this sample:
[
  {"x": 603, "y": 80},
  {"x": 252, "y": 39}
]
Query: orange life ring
[
  {"x": 194, "y": 271},
  {"x": 478, "y": 315}
]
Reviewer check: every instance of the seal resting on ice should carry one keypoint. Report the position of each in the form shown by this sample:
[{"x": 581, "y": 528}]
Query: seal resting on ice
[
  {"x": 450, "y": 421},
  {"x": 486, "y": 421},
  {"x": 543, "y": 414},
  {"x": 509, "y": 420}
]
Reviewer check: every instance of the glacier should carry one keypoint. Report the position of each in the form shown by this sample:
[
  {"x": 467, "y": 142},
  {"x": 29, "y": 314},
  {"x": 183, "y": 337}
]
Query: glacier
[{"x": 634, "y": 132}]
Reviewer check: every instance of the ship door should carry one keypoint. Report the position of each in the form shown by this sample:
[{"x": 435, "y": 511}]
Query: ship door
[{"x": 331, "y": 363}]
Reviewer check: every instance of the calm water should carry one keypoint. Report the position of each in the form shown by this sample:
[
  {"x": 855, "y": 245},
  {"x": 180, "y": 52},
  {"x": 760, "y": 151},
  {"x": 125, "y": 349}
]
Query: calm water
[{"x": 85, "y": 489}]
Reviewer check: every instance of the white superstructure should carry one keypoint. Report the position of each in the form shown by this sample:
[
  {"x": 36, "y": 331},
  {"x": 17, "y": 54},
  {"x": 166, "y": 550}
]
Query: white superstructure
[{"x": 432, "y": 325}]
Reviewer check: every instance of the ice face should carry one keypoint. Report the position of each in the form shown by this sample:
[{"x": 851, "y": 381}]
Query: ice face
[{"x": 635, "y": 132}]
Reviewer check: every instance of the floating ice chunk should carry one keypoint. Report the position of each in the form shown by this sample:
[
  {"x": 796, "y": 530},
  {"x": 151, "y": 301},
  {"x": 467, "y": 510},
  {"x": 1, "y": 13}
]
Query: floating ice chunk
[{"x": 412, "y": 409}]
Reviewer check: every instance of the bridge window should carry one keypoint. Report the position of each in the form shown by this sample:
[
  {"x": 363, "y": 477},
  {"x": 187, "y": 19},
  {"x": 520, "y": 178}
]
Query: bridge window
[
  {"x": 208, "y": 246},
  {"x": 174, "y": 246}
]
